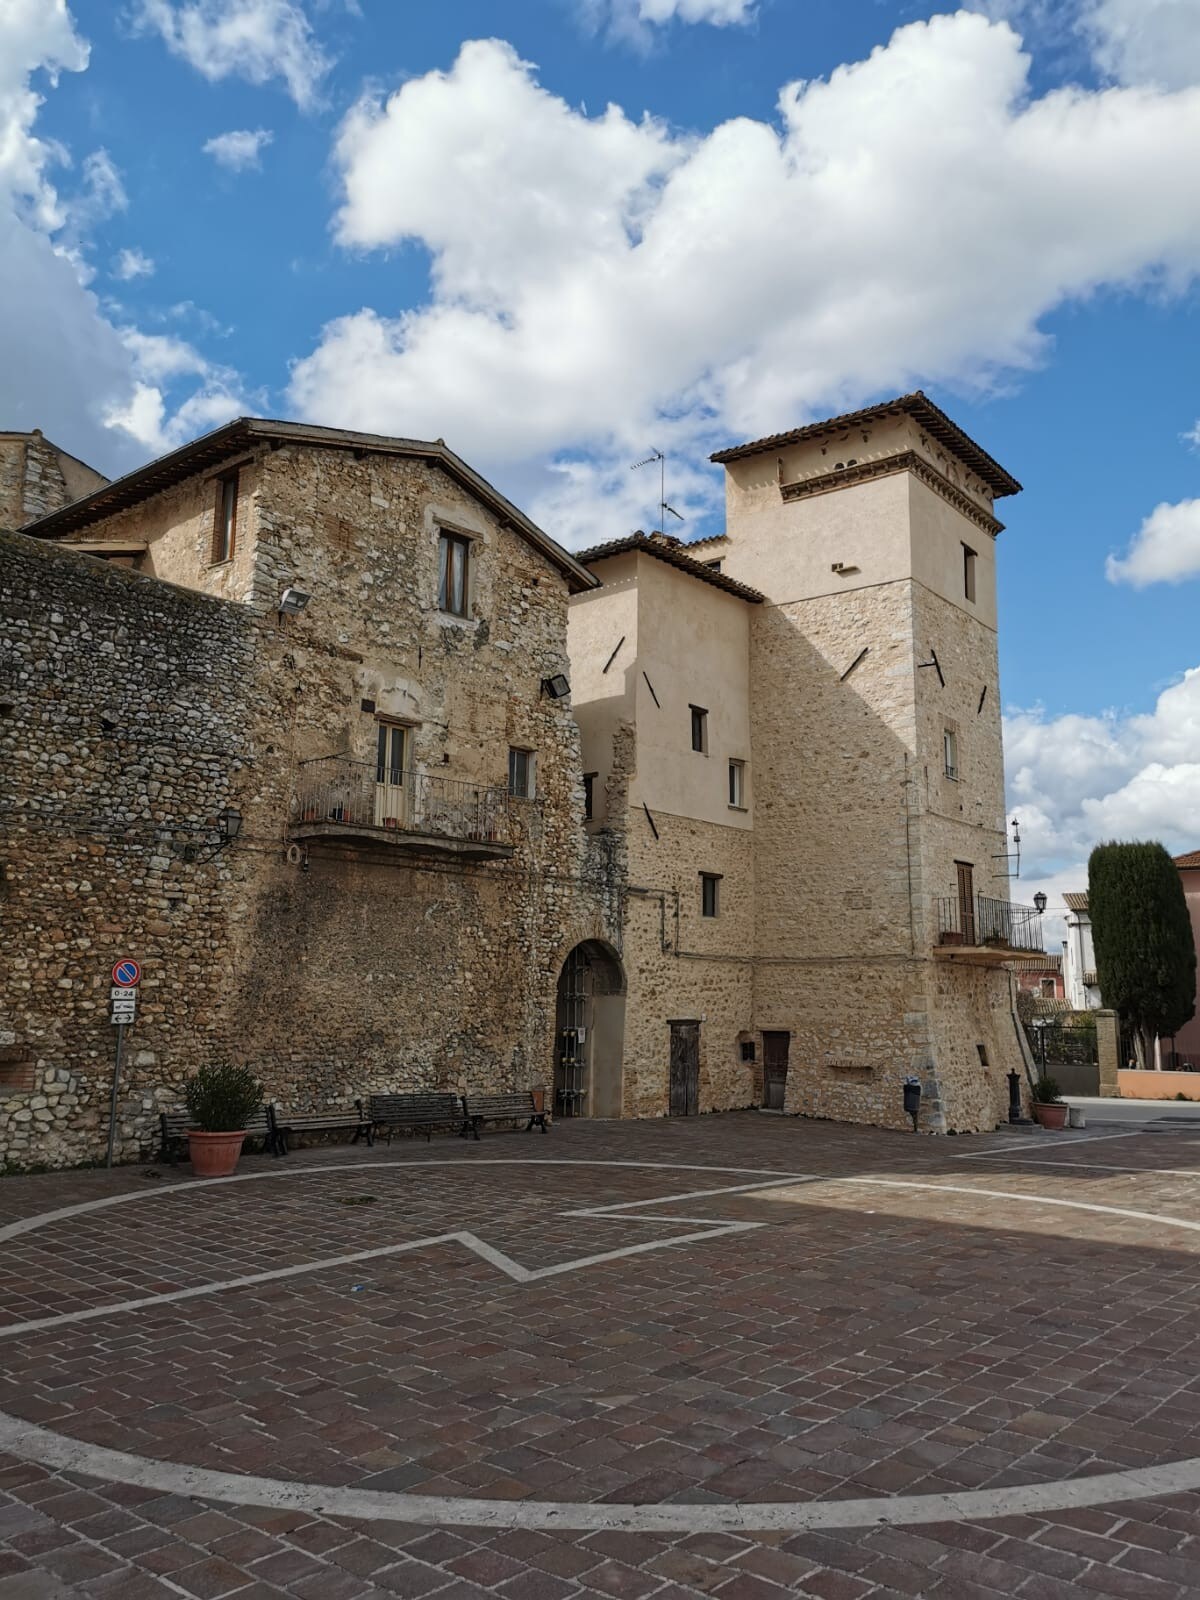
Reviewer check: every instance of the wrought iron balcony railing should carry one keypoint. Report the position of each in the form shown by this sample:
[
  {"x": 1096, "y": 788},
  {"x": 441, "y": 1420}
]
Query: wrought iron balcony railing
[
  {"x": 334, "y": 792},
  {"x": 983, "y": 923}
]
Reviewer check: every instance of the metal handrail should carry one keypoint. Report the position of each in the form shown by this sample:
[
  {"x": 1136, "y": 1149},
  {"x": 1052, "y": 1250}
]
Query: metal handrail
[
  {"x": 369, "y": 794},
  {"x": 985, "y": 921}
]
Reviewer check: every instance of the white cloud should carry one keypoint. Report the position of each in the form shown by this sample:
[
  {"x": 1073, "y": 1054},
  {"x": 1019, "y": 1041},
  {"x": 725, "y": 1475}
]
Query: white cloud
[
  {"x": 257, "y": 40},
  {"x": 64, "y": 367},
  {"x": 1165, "y": 549},
  {"x": 239, "y": 149},
  {"x": 632, "y": 19},
  {"x": 131, "y": 264},
  {"x": 1076, "y": 781},
  {"x": 1145, "y": 41},
  {"x": 594, "y": 277}
]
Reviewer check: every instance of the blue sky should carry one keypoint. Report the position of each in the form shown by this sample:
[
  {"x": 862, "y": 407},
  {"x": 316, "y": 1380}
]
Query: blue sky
[{"x": 560, "y": 232}]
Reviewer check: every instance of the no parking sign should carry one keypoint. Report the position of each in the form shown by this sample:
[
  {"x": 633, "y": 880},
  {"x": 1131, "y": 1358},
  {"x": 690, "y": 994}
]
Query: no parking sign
[{"x": 126, "y": 974}]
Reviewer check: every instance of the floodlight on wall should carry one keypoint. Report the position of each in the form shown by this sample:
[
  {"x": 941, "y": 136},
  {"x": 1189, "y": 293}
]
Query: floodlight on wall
[
  {"x": 558, "y": 687},
  {"x": 292, "y": 602}
]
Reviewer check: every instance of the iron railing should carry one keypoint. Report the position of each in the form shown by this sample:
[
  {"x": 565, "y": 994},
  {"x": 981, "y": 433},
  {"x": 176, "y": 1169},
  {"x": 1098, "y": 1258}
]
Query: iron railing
[
  {"x": 984, "y": 921},
  {"x": 364, "y": 794}
]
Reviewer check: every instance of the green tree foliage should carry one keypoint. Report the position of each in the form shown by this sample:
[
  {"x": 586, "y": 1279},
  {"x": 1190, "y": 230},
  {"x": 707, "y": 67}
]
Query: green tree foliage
[{"x": 1145, "y": 952}]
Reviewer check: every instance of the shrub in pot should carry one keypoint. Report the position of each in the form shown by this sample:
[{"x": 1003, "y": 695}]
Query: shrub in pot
[
  {"x": 219, "y": 1100},
  {"x": 1048, "y": 1105}
]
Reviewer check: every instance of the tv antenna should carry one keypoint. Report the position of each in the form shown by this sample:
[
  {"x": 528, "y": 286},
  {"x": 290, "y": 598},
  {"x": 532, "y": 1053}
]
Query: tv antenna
[
  {"x": 663, "y": 507},
  {"x": 1011, "y": 858}
]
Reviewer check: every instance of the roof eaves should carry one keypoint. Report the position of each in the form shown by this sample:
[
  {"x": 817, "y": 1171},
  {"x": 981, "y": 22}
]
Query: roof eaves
[
  {"x": 674, "y": 557},
  {"x": 919, "y": 405}
]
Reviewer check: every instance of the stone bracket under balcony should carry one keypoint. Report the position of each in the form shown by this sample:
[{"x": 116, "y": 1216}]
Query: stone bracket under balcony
[
  {"x": 360, "y": 804},
  {"x": 983, "y": 932}
]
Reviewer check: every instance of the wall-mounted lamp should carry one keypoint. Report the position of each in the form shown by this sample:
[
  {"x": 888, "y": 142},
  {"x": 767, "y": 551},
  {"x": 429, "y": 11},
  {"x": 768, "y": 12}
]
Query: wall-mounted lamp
[
  {"x": 558, "y": 687},
  {"x": 1039, "y": 902},
  {"x": 292, "y": 602},
  {"x": 229, "y": 820}
]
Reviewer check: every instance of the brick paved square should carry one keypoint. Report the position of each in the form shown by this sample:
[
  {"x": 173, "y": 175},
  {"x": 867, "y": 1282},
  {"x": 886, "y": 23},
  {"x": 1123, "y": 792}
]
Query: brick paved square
[{"x": 662, "y": 1358}]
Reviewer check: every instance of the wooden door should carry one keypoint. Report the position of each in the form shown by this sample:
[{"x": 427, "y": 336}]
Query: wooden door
[
  {"x": 685, "y": 1069},
  {"x": 775, "y": 1065},
  {"x": 966, "y": 900},
  {"x": 391, "y": 800}
]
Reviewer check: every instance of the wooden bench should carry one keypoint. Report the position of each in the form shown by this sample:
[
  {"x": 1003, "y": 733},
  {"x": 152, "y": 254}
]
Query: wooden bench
[
  {"x": 175, "y": 1125},
  {"x": 284, "y": 1123},
  {"x": 424, "y": 1111},
  {"x": 516, "y": 1107}
]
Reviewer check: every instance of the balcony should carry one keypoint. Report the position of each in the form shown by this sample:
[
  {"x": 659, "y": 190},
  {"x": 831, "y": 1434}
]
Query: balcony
[
  {"x": 359, "y": 802},
  {"x": 986, "y": 932}
]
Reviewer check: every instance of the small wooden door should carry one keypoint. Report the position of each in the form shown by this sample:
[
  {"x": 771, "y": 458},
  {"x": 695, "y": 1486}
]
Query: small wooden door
[
  {"x": 391, "y": 799},
  {"x": 966, "y": 900},
  {"x": 685, "y": 1069},
  {"x": 775, "y": 1065}
]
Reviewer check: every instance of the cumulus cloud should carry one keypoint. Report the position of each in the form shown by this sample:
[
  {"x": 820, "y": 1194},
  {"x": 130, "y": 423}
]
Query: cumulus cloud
[
  {"x": 130, "y": 264},
  {"x": 258, "y": 40},
  {"x": 1076, "y": 781},
  {"x": 596, "y": 277},
  {"x": 1145, "y": 41},
  {"x": 1165, "y": 549},
  {"x": 64, "y": 367},
  {"x": 634, "y": 19},
  {"x": 239, "y": 149}
]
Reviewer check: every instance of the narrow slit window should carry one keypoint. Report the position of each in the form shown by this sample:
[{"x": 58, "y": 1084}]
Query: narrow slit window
[
  {"x": 710, "y": 883},
  {"x": 699, "y": 729},
  {"x": 454, "y": 560},
  {"x": 950, "y": 752},
  {"x": 589, "y": 796},
  {"x": 969, "y": 559},
  {"x": 520, "y": 773},
  {"x": 225, "y": 524},
  {"x": 737, "y": 785}
]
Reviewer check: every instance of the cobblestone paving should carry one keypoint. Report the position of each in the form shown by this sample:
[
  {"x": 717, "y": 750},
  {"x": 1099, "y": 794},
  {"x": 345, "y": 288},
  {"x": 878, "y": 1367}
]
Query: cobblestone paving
[{"x": 896, "y": 1316}]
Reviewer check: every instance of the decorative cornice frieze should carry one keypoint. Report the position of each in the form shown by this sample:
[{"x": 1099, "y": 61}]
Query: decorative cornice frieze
[{"x": 886, "y": 467}]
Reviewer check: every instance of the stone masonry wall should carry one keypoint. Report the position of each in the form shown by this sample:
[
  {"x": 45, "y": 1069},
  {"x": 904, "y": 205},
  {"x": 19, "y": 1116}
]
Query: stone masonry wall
[
  {"x": 683, "y": 966},
  {"x": 124, "y": 707},
  {"x": 355, "y": 967}
]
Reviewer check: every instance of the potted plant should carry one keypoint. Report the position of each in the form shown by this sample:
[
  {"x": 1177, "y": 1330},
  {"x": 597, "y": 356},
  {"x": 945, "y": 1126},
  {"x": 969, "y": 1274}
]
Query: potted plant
[
  {"x": 1048, "y": 1105},
  {"x": 219, "y": 1099}
]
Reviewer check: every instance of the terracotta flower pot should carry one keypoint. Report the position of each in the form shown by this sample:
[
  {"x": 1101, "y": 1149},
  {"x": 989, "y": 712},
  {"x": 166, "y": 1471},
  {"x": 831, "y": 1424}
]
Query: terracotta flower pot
[
  {"x": 1049, "y": 1115},
  {"x": 539, "y": 1099},
  {"x": 215, "y": 1155}
]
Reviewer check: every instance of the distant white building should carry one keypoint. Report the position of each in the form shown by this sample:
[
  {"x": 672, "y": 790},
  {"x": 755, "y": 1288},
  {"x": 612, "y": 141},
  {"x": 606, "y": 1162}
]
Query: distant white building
[{"x": 1080, "y": 983}]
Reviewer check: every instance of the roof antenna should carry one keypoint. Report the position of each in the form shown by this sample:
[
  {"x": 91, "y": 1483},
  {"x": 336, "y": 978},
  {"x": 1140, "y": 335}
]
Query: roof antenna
[{"x": 663, "y": 507}]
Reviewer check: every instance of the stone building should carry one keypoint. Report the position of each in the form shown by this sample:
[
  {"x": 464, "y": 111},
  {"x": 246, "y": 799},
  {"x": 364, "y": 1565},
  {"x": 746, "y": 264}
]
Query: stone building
[
  {"x": 794, "y": 730},
  {"x": 291, "y": 737},
  {"x": 385, "y": 789},
  {"x": 37, "y": 477}
]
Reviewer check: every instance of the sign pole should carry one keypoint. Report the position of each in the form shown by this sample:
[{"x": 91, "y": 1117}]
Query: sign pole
[{"x": 112, "y": 1114}]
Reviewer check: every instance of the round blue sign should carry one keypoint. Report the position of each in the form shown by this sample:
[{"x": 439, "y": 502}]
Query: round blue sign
[{"x": 126, "y": 974}]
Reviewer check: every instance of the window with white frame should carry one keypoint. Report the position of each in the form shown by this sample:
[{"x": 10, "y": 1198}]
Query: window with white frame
[
  {"x": 737, "y": 785},
  {"x": 521, "y": 776},
  {"x": 950, "y": 752}
]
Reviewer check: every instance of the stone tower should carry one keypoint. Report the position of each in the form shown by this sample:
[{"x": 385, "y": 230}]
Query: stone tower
[
  {"x": 37, "y": 477},
  {"x": 880, "y": 851}
]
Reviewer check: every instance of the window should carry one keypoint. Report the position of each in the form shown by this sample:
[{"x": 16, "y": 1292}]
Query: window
[
  {"x": 454, "y": 558},
  {"x": 709, "y": 894},
  {"x": 950, "y": 752},
  {"x": 520, "y": 773},
  {"x": 748, "y": 1050},
  {"x": 225, "y": 520},
  {"x": 737, "y": 784},
  {"x": 1049, "y": 988},
  {"x": 589, "y": 796},
  {"x": 713, "y": 566},
  {"x": 969, "y": 573},
  {"x": 699, "y": 729},
  {"x": 983, "y": 1055}
]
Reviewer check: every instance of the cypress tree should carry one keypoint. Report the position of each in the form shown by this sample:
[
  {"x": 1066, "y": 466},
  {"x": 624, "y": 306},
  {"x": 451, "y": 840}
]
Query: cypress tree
[{"x": 1145, "y": 952}]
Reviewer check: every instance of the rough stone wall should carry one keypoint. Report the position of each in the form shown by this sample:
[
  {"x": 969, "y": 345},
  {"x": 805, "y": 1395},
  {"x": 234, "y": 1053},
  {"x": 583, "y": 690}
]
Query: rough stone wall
[
  {"x": 683, "y": 966},
  {"x": 125, "y": 710},
  {"x": 355, "y": 968},
  {"x": 36, "y": 478}
]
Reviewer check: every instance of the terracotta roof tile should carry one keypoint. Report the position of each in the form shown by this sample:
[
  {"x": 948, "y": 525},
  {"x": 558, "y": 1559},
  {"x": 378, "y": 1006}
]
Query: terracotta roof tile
[
  {"x": 674, "y": 553},
  {"x": 1076, "y": 901},
  {"x": 917, "y": 405},
  {"x": 1191, "y": 859}
]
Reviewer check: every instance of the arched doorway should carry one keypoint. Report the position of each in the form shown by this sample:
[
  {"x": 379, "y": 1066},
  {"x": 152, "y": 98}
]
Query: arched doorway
[{"x": 589, "y": 1034}]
